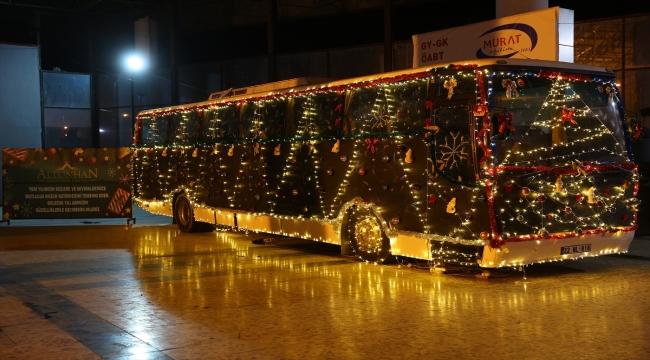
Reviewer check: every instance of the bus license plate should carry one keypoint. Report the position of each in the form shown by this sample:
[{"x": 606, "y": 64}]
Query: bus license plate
[{"x": 574, "y": 249}]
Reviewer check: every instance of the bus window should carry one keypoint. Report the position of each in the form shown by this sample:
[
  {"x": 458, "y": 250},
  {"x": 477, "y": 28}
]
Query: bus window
[
  {"x": 154, "y": 130},
  {"x": 454, "y": 158},
  {"x": 210, "y": 125},
  {"x": 248, "y": 124},
  {"x": 296, "y": 107},
  {"x": 228, "y": 124},
  {"x": 272, "y": 114},
  {"x": 322, "y": 118},
  {"x": 407, "y": 105},
  {"x": 452, "y": 87},
  {"x": 365, "y": 112}
]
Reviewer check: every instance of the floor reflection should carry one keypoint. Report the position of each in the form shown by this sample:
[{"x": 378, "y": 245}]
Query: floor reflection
[{"x": 217, "y": 294}]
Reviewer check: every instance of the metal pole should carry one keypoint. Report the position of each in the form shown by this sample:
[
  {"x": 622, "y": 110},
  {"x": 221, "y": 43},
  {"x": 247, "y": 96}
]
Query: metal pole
[
  {"x": 272, "y": 19},
  {"x": 132, "y": 103},
  {"x": 388, "y": 35}
]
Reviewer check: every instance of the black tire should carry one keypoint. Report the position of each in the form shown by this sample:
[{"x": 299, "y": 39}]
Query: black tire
[
  {"x": 184, "y": 215},
  {"x": 367, "y": 236}
]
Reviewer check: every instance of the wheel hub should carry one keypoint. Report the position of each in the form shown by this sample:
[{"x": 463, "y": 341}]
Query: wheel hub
[{"x": 368, "y": 234}]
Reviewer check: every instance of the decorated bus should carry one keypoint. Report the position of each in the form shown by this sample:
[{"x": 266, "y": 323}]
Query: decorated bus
[{"x": 492, "y": 164}]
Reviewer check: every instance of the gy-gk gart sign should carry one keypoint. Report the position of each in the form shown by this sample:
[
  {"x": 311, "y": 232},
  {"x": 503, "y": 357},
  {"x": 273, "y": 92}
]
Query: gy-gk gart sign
[
  {"x": 539, "y": 35},
  {"x": 66, "y": 183}
]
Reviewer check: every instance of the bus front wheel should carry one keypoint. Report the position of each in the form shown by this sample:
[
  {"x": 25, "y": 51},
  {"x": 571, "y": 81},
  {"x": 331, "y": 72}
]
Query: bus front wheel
[
  {"x": 367, "y": 236},
  {"x": 184, "y": 214}
]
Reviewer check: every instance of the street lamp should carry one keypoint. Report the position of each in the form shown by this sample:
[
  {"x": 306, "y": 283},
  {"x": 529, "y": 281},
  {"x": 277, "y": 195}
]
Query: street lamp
[{"x": 133, "y": 63}]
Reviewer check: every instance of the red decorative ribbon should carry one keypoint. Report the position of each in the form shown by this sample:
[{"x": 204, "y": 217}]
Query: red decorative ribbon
[
  {"x": 370, "y": 145},
  {"x": 505, "y": 122},
  {"x": 567, "y": 115},
  {"x": 338, "y": 107},
  {"x": 337, "y": 122}
]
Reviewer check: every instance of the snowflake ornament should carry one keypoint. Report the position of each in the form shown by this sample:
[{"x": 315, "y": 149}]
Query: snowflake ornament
[{"x": 455, "y": 150}]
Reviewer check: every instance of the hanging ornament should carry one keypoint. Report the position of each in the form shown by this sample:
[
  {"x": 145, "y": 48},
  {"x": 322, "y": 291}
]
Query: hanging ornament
[
  {"x": 599, "y": 203},
  {"x": 450, "y": 85},
  {"x": 432, "y": 199},
  {"x": 370, "y": 145},
  {"x": 480, "y": 110},
  {"x": 343, "y": 158},
  {"x": 164, "y": 152},
  {"x": 276, "y": 151},
  {"x": 195, "y": 153},
  {"x": 577, "y": 165},
  {"x": 484, "y": 235},
  {"x": 256, "y": 148},
  {"x": 558, "y": 184},
  {"x": 361, "y": 171},
  {"x": 568, "y": 210},
  {"x": 330, "y": 171},
  {"x": 612, "y": 210},
  {"x": 520, "y": 218},
  {"x": 579, "y": 198},
  {"x": 409, "y": 156},
  {"x": 305, "y": 209},
  {"x": 320, "y": 190},
  {"x": 505, "y": 123},
  {"x": 611, "y": 91},
  {"x": 231, "y": 151},
  {"x": 385, "y": 187},
  {"x": 396, "y": 220},
  {"x": 401, "y": 147},
  {"x": 626, "y": 184},
  {"x": 294, "y": 160},
  {"x": 568, "y": 115},
  {"x": 451, "y": 206},
  {"x": 294, "y": 192},
  {"x": 511, "y": 88},
  {"x": 525, "y": 191},
  {"x": 541, "y": 198},
  {"x": 578, "y": 230},
  {"x": 542, "y": 233},
  {"x": 415, "y": 187},
  {"x": 638, "y": 130},
  {"x": 590, "y": 195},
  {"x": 337, "y": 147}
]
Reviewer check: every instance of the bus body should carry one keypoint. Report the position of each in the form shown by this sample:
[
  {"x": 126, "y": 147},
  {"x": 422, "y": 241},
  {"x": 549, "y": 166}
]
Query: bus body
[{"x": 490, "y": 164}]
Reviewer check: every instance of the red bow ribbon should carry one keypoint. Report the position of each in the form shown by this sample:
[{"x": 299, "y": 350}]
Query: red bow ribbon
[
  {"x": 639, "y": 131},
  {"x": 338, "y": 107},
  {"x": 432, "y": 199},
  {"x": 370, "y": 145},
  {"x": 337, "y": 122},
  {"x": 505, "y": 122},
  {"x": 428, "y": 104},
  {"x": 567, "y": 115}
]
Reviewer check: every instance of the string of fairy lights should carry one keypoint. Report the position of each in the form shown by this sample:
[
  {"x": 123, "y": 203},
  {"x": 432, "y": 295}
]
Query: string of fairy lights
[{"x": 519, "y": 194}]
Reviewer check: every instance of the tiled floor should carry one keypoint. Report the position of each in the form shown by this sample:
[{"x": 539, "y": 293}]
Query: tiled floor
[{"x": 150, "y": 292}]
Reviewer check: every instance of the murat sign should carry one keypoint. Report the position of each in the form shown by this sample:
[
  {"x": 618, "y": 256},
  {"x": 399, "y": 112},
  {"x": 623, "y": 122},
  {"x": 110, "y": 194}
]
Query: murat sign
[{"x": 541, "y": 35}]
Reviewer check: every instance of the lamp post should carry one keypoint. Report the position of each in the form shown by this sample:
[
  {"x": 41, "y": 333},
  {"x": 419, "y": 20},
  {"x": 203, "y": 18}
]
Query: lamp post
[{"x": 134, "y": 63}]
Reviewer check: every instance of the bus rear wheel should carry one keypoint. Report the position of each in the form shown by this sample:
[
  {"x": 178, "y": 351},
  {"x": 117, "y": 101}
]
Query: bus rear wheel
[
  {"x": 367, "y": 236},
  {"x": 184, "y": 215}
]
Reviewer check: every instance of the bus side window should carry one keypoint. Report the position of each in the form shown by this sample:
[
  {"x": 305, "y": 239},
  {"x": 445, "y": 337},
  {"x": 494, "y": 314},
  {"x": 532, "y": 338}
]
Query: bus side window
[
  {"x": 361, "y": 113},
  {"x": 154, "y": 131},
  {"x": 295, "y": 112},
  {"x": 408, "y": 106},
  {"x": 322, "y": 119},
  {"x": 247, "y": 126},
  {"x": 273, "y": 115},
  {"x": 176, "y": 132},
  {"x": 192, "y": 127}
]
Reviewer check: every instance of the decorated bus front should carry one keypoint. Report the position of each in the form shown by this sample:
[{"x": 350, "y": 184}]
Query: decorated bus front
[{"x": 560, "y": 178}]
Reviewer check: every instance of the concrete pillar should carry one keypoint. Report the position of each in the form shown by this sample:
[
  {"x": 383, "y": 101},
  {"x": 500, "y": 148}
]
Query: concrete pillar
[{"x": 513, "y": 7}]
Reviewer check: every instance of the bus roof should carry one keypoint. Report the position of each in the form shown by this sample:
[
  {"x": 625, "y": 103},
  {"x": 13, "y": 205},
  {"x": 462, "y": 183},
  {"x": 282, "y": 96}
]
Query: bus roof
[{"x": 254, "y": 91}]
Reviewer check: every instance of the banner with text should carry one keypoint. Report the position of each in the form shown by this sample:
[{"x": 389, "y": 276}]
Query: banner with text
[
  {"x": 532, "y": 35},
  {"x": 66, "y": 183}
]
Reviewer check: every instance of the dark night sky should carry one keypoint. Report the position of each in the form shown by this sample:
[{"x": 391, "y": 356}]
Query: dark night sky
[{"x": 66, "y": 40}]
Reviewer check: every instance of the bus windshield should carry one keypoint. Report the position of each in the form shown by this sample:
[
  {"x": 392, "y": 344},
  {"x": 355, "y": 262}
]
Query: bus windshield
[{"x": 541, "y": 121}]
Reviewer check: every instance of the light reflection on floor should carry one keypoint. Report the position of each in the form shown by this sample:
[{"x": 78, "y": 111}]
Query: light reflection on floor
[{"x": 159, "y": 292}]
